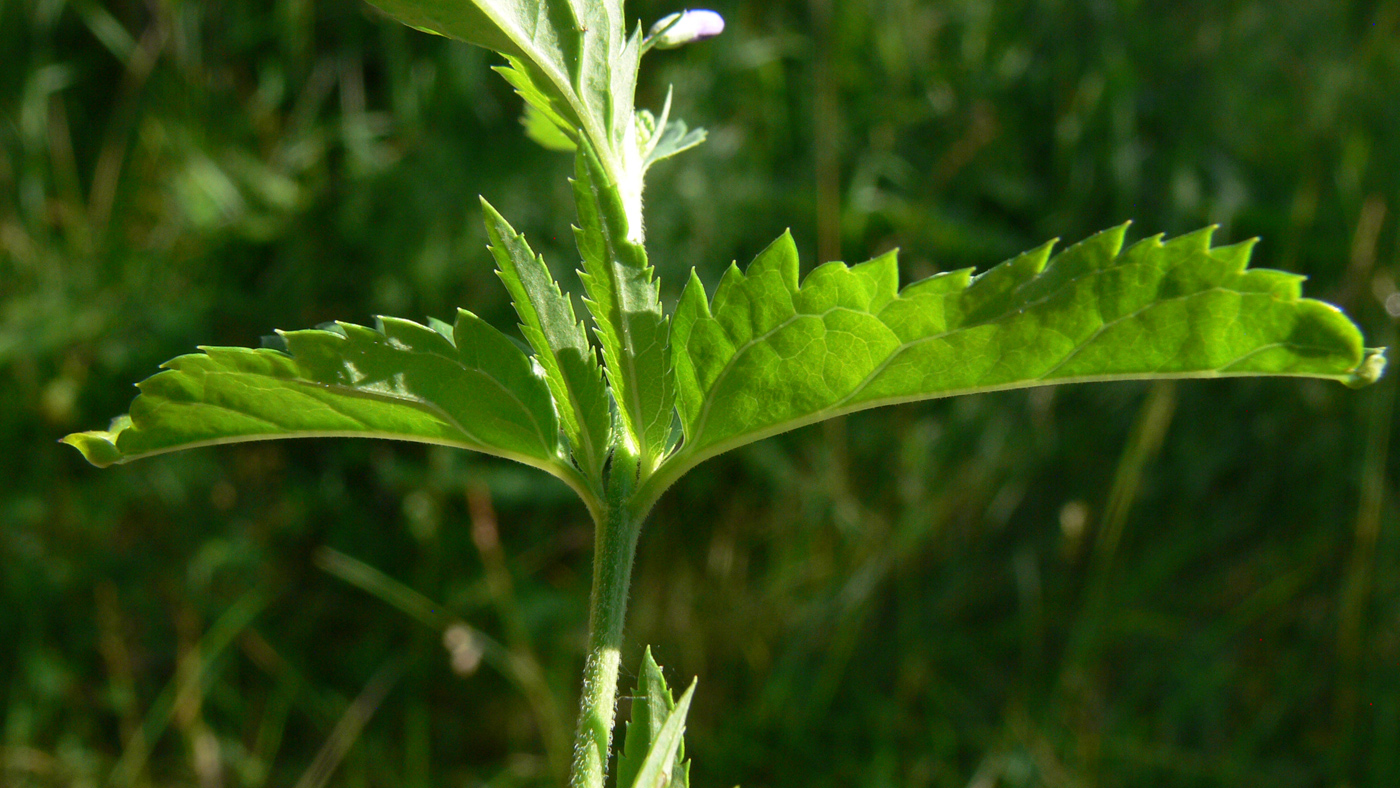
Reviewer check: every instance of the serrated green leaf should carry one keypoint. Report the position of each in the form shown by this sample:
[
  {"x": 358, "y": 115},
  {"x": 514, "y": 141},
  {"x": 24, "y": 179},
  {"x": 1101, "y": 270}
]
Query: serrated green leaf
[
  {"x": 571, "y": 59},
  {"x": 547, "y": 320},
  {"x": 539, "y": 97},
  {"x": 403, "y": 381},
  {"x": 626, "y": 308},
  {"x": 661, "y": 764},
  {"x": 651, "y": 706},
  {"x": 765, "y": 355}
]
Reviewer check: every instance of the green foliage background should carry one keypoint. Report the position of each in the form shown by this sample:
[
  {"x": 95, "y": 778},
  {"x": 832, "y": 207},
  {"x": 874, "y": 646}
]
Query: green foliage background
[{"x": 1190, "y": 584}]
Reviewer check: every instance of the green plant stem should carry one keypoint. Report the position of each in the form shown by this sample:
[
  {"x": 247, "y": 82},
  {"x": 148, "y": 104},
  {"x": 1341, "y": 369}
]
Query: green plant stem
[{"x": 614, "y": 546}]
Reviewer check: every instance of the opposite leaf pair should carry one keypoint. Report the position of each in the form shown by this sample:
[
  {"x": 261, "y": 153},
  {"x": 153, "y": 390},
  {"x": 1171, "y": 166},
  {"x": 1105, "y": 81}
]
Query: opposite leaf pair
[{"x": 764, "y": 355}]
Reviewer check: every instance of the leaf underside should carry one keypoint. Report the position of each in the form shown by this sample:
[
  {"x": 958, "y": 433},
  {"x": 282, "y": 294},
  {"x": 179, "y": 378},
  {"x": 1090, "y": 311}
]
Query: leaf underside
[
  {"x": 573, "y": 60},
  {"x": 624, "y": 300},
  {"x": 547, "y": 320},
  {"x": 466, "y": 386},
  {"x": 766, "y": 355}
]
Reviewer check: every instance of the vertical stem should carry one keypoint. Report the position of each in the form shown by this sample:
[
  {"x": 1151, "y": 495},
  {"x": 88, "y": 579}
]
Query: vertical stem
[{"x": 614, "y": 546}]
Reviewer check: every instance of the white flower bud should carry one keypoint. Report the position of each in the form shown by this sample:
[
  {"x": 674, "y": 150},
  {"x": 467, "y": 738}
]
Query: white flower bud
[{"x": 685, "y": 27}]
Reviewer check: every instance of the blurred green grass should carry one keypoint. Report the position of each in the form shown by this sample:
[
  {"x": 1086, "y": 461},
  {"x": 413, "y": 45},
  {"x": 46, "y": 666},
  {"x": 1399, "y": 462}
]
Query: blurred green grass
[{"x": 1189, "y": 584}]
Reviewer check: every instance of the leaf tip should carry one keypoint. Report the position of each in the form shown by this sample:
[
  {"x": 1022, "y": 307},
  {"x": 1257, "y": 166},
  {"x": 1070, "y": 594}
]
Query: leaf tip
[
  {"x": 787, "y": 240},
  {"x": 693, "y": 299},
  {"x": 1370, "y": 370},
  {"x": 1045, "y": 250},
  {"x": 683, "y": 703},
  {"x": 98, "y": 447},
  {"x": 494, "y": 221}
]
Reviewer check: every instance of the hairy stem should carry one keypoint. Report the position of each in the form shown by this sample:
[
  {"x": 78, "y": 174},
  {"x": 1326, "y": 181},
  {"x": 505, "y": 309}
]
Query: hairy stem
[{"x": 614, "y": 546}]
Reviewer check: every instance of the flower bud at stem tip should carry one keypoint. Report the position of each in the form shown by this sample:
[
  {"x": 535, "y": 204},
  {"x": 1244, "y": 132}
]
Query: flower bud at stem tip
[{"x": 685, "y": 27}]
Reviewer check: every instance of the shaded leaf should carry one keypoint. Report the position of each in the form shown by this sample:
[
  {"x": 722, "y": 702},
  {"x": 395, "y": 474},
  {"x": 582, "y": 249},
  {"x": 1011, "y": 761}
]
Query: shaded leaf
[{"x": 675, "y": 137}]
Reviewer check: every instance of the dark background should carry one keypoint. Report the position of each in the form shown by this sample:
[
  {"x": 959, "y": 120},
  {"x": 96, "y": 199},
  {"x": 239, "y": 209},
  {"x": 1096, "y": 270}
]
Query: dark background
[{"x": 1116, "y": 585}]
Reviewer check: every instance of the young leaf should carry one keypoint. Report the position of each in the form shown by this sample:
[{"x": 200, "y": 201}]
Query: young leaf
[
  {"x": 664, "y": 137},
  {"x": 548, "y": 323},
  {"x": 662, "y": 764},
  {"x": 406, "y": 381},
  {"x": 674, "y": 137},
  {"x": 651, "y": 707},
  {"x": 623, "y": 298},
  {"x": 766, "y": 355}
]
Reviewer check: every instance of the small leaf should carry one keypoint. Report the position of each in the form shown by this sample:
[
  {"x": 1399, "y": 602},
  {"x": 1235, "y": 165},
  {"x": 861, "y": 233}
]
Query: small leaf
[
  {"x": 403, "y": 381},
  {"x": 653, "y": 755},
  {"x": 546, "y": 132},
  {"x": 765, "y": 355},
  {"x": 662, "y": 768},
  {"x": 666, "y": 136},
  {"x": 538, "y": 96},
  {"x": 626, "y": 308},
  {"x": 674, "y": 138},
  {"x": 651, "y": 706},
  {"x": 548, "y": 323}
]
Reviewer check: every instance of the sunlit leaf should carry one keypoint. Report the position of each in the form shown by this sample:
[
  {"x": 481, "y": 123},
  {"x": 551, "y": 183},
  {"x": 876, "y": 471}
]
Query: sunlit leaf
[
  {"x": 546, "y": 132},
  {"x": 571, "y": 59},
  {"x": 653, "y": 755},
  {"x": 652, "y": 705},
  {"x": 548, "y": 322},
  {"x": 766, "y": 355},
  {"x": 624, "y": 301},
  {"x": 468, "y": 387}
]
